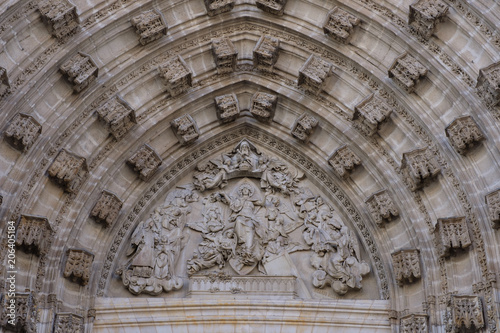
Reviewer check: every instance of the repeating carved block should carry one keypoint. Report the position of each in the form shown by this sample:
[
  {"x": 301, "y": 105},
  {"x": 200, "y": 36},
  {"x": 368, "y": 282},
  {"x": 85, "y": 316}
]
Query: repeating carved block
[
  {"x": 215, "y": 7},
  {"x": 68, "y": 170},
  {"x": 145, "y": 161},
  {"x": 177, "y": 75},
  {"x": 372, "y": 113},
  {"x": 464, "y": 134},
  {"x": 382, "y": 207},
  {"x": 25, "y": 309},
  {"x": 68, "y": 323},
  {"x": 78, "y": 266},
  {"x": 488, "y": 84},
  {"x": 60, "y": 16},
  {"x": 227, "y": 107},
  {"x": 407, "y": 71},
  {"x": 304, "y": 127},
  {"x": 150, "y": 25},
  {"x": 425, "y": 15},
  {"x": 414, "y": 323},
  {"x": 493, "y": 201},
  {"x": 33, "y": 234},
  {"x": 263, "y": 106},
  {"x": 225, "y": 55},
  {"x": 185, "y": 129},
  {"x": 276, "y": 7},
  {"x": 117, "y": 116},
  {"x": 406, "y": 264},
  {"x": 22, "y": 132},
  {"x": 419, "y": 167},
  {"x": 4, "y": 77},
  {"x": 452, "y": 234},
  {"x": 467, "y": 313},
  {"x": 313, "y": 74},
  {"x": 80, "y": 70},
  {"x": 265, "y": 53},
  {"x": 107, "y": 208},
  {"x": 339, "y": 25},
  {"x": 343, "y": 161}
]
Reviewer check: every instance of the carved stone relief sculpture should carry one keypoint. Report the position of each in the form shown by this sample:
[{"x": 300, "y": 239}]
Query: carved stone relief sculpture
[
  {"x": 80, "y": 70},
  {"x": 215, "y": 7},
  {"x": 33, "y": 234},
  {"x": 464, "y": 134},
  {"x": 60, "y": 16},
  {"x": 493, "y": 201},
  {"x": 313, "y": 74},
  {"x": 265, "y": 53},
  {"x": 304, "y": 127},
  {"x": 407, "y": 71},
  {"x": 343, "y": 161},
  {"x": 340, "y": 25},
  {"x": 107, "y": 208},
  {"x": 68, "y": 323},
  {"x": 177, "y": 75},
  {"x": 372, "y": 112},
  {"x": 414, "y": 323},
  {"x": 225, "y": 55},
  {"x": 263, "y": 106},
  {"x": 406, "y": 265},
  {"x": 185, "y": 129},
  {"x": 425, "y": 15},
  {"x": 4, "y": 77},
  {"x": 467, "y": 313},
  {"x": 68, "y": 170},
  {"x": 150, "y": 26},
  {"x": 26, "y": 312},
  {"x": 382, "y": 207},
  {"x": 488, "y": 84},
  {"x": 117, "y": 116},
  {"x": 78, "y": 266},
  {"x": 419, "y": 167},
  {"x": 145, "y": 161},
  {"x": 452, "y": 234},
  {"x": 227, "y": 108},
  {"x": 276, "y": 7},
  {"x": 22, "y": 132}
]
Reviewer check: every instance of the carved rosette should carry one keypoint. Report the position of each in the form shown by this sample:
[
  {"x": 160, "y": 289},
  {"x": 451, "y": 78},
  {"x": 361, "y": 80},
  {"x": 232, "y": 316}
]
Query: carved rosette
[
  {"x": 60, "y": 16},
  {"x": 464, "y": 134},
  {"x": 263, "y": 106},
  {"x": 382, "y": 207},
  {"x": 275, "y": 7},
  {"x": 78, "y": 266},
  {"x": 22, "y": 132},
  {"x": 216, "y": 7},
  {"x": 304, "y": 127},
  {"x": 25, "y": 312},
  {"x": 177, "y": 75},
  {"x": 80, "y": 70},
  {"x": 419, "y": 168},
  {"x": 406, "y": 265},
  {"x": 185, "y": 129},
  {"x": 344, "y": 161},
  {"x": 68, "y": 170},
  {"x": 107, "y": 208},
  {"x": 313, "y": 74},
  {"x": 4, "y": 78},
  {"x": 414, "y": 323},
  {"x": 372, "y": 112},
  {"x": 488, "y": 84},
  {"x": 145, "y": 161},
  {"x": 425, "y": 15},
  {"x": 265, "y": 53},
  {"x": 467, "y": 313},
  {"x": 340, "y": 25},
  {"x": 227, "y": 108},
  {"x": 493, "y": 201},
  {"x": 117, "y": 116},
  {"x": 33, "y": 234},
  {"x": 452, "y": 234},
  {"x": 407, "y": 71},
  {"x": 68, "y": 323},
  {"x": 150, "y": 26},
  {"x": 225, "y": 55}
]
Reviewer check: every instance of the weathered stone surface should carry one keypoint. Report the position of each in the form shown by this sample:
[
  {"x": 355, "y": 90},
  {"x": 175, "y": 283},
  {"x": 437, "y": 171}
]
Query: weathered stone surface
[
  {"x": 304, "y": 127},
  {"x": 467, "y": 313},
  {"x": 177, "y": 75},
  {"x": 419, "y": 167},
  {"x": 344, "y": 161},
  {"x": 313, "y": 74},
  {"x": 78, "y": 266},
  {"x": 22, "y": 132},
  {"x": 227, "y": 107},
  {"x": 340, "y": 25},
  {"x": 407, "y": 71},
  {"x": 464, "y": 134},
  {"x": 25, "y": 312},
  {"x": 382, "y": 207},
  {"x": 80, "y": 70},
  {"x": 107, "y": 208},
  {"x": 60, "y": 16},
  {"x": 276, "y": 7},
  {"x": 406, "y": 265},
  {"x": 150, "y": 26},
  {"x": 68, "y": 323},
  {"x": 33, "y": 234},
  {"x": 493, "y": 201},
  {"x": 488, "y": 84},
  {"x": 145, "y": 161},
  {"x": 414, "y": 323},
  {"x": 266, "y": 52},
  {"x": 225, "y": 55},
  {"x": 372, "y": 112},
  {"x": 215, "y": 7},
  {"x": 452, "y": 234},
  {"x": 4, "y": 78},
  {"x": 425, "y": 15},
  {"x": 68, "y": 170},
  {"x": 263, "y": 106},
  {"x": 185, "y": 129},
  {"x": 117, "y": 116}
]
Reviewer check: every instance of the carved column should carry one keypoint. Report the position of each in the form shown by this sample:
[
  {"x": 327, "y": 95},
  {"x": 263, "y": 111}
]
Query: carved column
[
  {"x": 24, "y": 307},
  {"x": 215, "y": 7},
  {"x": 467, "y": 313},
  {"x": 68, "y": 323},
  {"x": 313, "y": 74},
  {"x": 22, "y": 132},
  {"x": 382, "y": 207},
  {"x": 265, "y": 53},
  {"x": 78, "y": 266},
  {"x": 33, "y": 234},
  {"x": 464, "y": 134},
  {"x": 117, "y": 116},
  {"x": 177, "y": 75},
  {"x": 339, "y": 25},
  {"x": 107, "y": 208},
  {"x": 419, "y": 167},
  {"x": 414, "y": 323},
  {"x": 80, "y": 70},
  {"x": 488, "y": 84},
  {"x": 452, "y": 234},
  {"x": 4, "y": 77},
  {"x": 425, "y": 15},
  {"x": 276, "y": 7},
  {"x": 225, "y": 55},
  {"x": 372, "y": 112},
  {"x": 406, "y": 71},
  {"x": 263, "y": 106},
  {"x": 68, "y": 170},
  {"x": 406, "y": 265},
  {"x": 304, "y": 127},
  {"x": 150, "y": 26},
  {"x": 227, "y": 107},
  {"x": 60, "y": 16},
  {"x": 493, "y": 201},
  {"x": 145, "y": 161},
  {"x": 185, "y": 129},
  {"x": 344, "y": 161}
]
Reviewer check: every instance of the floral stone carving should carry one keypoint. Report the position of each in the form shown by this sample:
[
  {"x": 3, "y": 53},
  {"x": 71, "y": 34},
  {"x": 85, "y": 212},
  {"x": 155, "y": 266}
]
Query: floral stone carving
[
  {"x": 227, "y": 107},
  {"x": 263, "y": 106},
  {"x": 407, "y": 71},
  {"x": 488, "y": 84},
  {"x": 276, "y": 7},
  {"x": 406, "y": 264},
  {"x": 493, "y": 201},
  {"x": 60, "y": 16},
  {"x": 467, "y": 313},
  {"x": 304, "y": 127},
  {"x": 372, "y": 112},
  {"x": 185, "y": 129},
  {"x": 419, "y": 167},
  {"x": 265, "y": 53},
  {"x": 344, "y": 161},
  {"x": 225, "y": 55},
  {"x": 452, "y": 234},
  {"x": 145, "y": 161},
  {"x": 26, "y": 312},
  {"x": 215, "y": 7},
  {"x": 68, "y": 171},
  {"x": 382, "y": 207},
  {"x": 33, "y": 234},
  {"x": 339, "y": 25},
  {"x": 425, "y": 15},
  {"x": 414, "y": 323},
  {"x": 117, "y": 116},
  {"x": 107, "y": 208},
  {"x": 464, "y": 134},
  {"x": 313, "y": 74},
  {"x": 80, "y": 70},
  {"x": 22, "y": 132},
  {"x": 68, "y": 323},
  {"x": 78, "y": 266},
  {"x": 177, "y": 75},
  {"x": 150, "y": 25}
]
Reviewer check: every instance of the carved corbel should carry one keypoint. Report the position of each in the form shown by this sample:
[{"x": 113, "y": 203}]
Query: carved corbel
[
  {"x": 22, "y": 132},
  {"x": 225, "y": 55},
  {"x": 263, "y": 106},
  {"x": 227, "y": 107},
  {"x": 382, "y": 207},
  {"x": 406, "y": 264},
  {"x": 344, "y": 161},
  {"x": 265, "y": 53},
  {"x": 407, "y": 72},
  {"x": 340, "y": 25},
  {"x": 185, "y": 129},
  {"x": 493, "y": 201},
  {"x": 488, "y": 84},
  {"x": 33, "y": 234},
  {"x": 145, "y": 161},
  {"x": 467, "y": 312},
  {"x": 452, "y": 234},
  {"x": 276, "y": 7},
  {"x": 304, "y": 127},
  {"x": 60, "y": 16},
  {"x": 80, "y": 70},
  {"x": 117, "y": 116},
  {"x": 372, "y": 112},
  {"x": 177, "y": 75},
  {"x": 464, "y": 134},
  {"x": 425, "y": 15},
  {"x": 107, "y": 208},
  {"x": 150, "y": 26},
  {"x": 313, "y": 74},
  {"x": 68, "y": 170},
  {"x": 216, "y": 7},
  {"x": 419, "y": 167},
  {"x": 78, "y": 266},
  {"x": 25, "y": 309}
]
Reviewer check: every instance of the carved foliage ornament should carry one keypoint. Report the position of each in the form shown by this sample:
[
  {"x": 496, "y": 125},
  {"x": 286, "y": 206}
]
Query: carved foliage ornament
[
  {"x": 276, "y": 7},
  {"x": 33, "y": 234},
  {"x": 382, "y": 207},
  {"x": 407, "y": 72},
  {"x": 372, "y": 112},
  {"x": 452, "y": 234},
  {"x": 22, "y": 132},
  {"x": 177, "y": 75},
  {"x": 344, "y": 161},
  {"x": 339, "y": 25},
  {"x": 60, "y": 16},
  {"x": 419, "y": 167},
  {"x": 68, "y": 323},
  {"x": 266, "y": 52},
  {"x": 414, "y": 323},
  {"x": 150, "y": 25},
  {"x": 19, "y": 313},
  {"x": 313, "y": 74},
  {"x": 80, "y": 70},
  {"x": 227, "y": 107},
  {"x": 78, "y": 266},
  {"x": 225, "y": 55},
  {"x": 488, "y": 84},
  {"x": 406, "y": 264},
  {"x": 68, "y": 170},
  {"x": 425, "y": 15},
  {"x": 263, "y": 106},
  {"x": 467, "y": 313},
  {"x": 215, "y": 7},
  {"x": 107, "y": 208},
  {"x": 493, "y": 201},
  {"x": 145, "y": 161},
  {"x": 117, "y": 116},
  {"x": 185, "y": 129},
  {"x": 464, "y": 134},
  {"x": 304, "y": 127}
]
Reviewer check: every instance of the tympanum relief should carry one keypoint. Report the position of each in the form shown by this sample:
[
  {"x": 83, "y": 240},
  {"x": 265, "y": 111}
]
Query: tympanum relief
[{"x": 244, "y": 213}]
